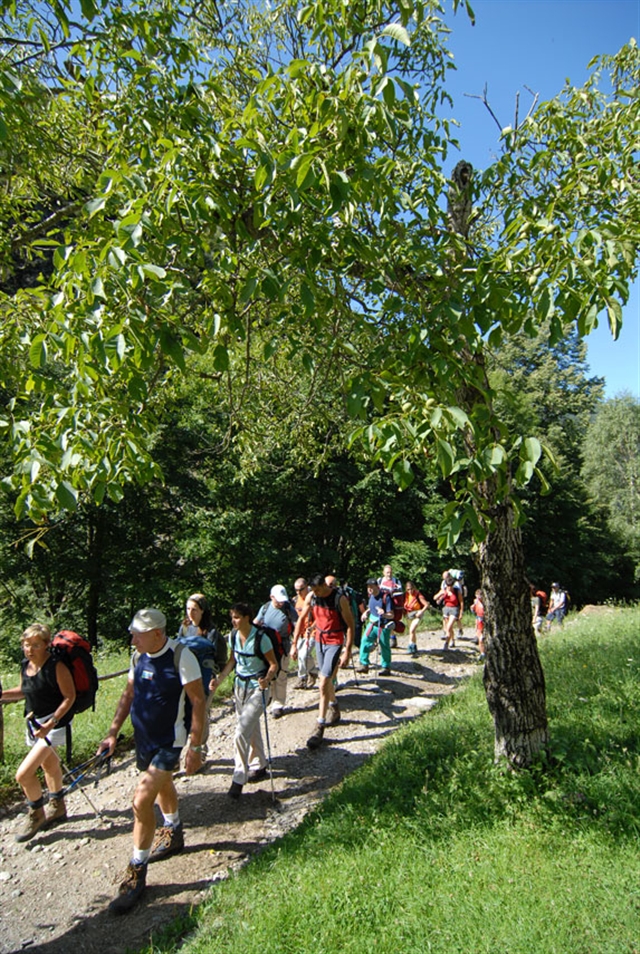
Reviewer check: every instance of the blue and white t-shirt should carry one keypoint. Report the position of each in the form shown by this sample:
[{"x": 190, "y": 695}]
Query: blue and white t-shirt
[{"x": 159, "y": 712}]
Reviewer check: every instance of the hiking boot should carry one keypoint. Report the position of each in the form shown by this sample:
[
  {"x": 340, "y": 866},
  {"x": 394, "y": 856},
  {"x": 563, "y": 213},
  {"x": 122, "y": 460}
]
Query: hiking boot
[
  {"x": 56, "y": 811},
  {"x": 363, "y": 670},
  {"x": 311, "y": 680},
  {"x": 168, "y": 841},
  {"x": 315, "y": 739},
  {"x": 36, "y": 819},
  {"x": 257, "y": 775},
  {"x": 278, "y": 713},
  {"x": 235, "y": 790},
  {"x": 384, "y": 672},
  {"x": 334, "y": 715},
  {"x": 393, "y": 642},
  {"x": 301, "y": 683},
  {"x": 130, "y": 889}
]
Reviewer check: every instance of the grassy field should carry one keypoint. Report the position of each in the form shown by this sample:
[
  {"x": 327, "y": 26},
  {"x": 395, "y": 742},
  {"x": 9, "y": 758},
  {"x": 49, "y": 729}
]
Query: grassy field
[{"x": 432, "y": 848}]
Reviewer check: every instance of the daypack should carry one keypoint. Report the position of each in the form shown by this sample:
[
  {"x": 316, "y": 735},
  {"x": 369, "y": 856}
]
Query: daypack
[
  {"x": 276, "y": 642},
  {"x": 352, "y": 597},
  {"x": 75, "y": 652},
  {"x": 207, "y": 654}
]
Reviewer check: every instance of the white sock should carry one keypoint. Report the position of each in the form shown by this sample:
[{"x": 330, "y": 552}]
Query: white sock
[
  {"x": 172, "y": 820},
  {"x": 140, "y": 856}
]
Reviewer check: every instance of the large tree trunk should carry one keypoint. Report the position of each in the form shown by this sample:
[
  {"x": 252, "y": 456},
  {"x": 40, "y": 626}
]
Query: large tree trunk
[{"x": 513, "y": 675}]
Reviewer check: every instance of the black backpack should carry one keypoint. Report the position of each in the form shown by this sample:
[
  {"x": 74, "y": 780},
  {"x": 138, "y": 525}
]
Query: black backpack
[{"x": 276, "y": 643}]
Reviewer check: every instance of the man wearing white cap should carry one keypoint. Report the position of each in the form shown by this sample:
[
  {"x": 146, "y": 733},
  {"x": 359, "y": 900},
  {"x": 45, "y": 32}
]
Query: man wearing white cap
[
  {"x": 279, "y": 614},
  {"x": 165, "y": 698}
]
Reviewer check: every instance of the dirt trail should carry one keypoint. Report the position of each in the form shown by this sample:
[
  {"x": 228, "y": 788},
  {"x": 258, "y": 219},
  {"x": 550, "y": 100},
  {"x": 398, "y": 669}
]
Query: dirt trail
[{"x": 55, "y": 889}]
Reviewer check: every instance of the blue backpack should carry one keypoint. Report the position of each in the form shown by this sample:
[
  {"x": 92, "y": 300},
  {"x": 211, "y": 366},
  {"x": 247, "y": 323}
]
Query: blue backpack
[{"x": 207, "y": 655}]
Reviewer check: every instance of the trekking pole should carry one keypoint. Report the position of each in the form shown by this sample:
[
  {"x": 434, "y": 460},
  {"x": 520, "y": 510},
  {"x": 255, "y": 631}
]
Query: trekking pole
[
  {"x": 32, "y": 724},
  {"x": 266, "y": 730},
  {"x": 355, "y": 675}
]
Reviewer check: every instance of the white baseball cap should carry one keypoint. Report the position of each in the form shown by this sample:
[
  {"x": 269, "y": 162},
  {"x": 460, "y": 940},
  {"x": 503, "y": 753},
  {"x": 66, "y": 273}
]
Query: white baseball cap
[
  {"x": 279, "y": 594},
  {"x": 147, "y": 619}
]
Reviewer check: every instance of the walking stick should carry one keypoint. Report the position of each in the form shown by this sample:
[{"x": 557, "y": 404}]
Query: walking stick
[{"x": 266, "y": 730}]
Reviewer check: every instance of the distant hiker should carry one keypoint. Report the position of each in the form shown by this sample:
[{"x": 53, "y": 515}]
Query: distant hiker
[
  {"x": 253, "y": 658},
  {"x": 415, "y": 606},
  {"x": 557, "y": 606},
  {"x": 538, "y": 608},
  {"x": 461, "y": 587},
  {"x": 449, "y": 597},
  {"x": 389, "y": 584},
  {"x": 334, "y": 629},
  {"x": 477, "y": 608},
  {"x": 47, "y": 687},
  {"x": 307, "y": 670},
  {"x": 279, "y": 613},
  {"x": 199, "y": 633},
  {"x": 165, "y": 698},
  {"x": 380, "y": 622}
]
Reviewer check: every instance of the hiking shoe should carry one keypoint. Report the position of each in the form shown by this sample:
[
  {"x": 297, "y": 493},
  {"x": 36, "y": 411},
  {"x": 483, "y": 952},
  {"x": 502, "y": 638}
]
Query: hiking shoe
[
  {"x": 257, "y": 775},
  {"x": 278, "y": 713},
  {"x": 36, "y": 819},
  {"x": 55, "y": 812},
  {"x": 131, "y": 887},
  {"x": 315, "y": 739},
  {"x": 363, "y": 670},
  {"x": 235, "y": 790},
  {"x": 412, "y": 649},
  {"x": 311, "y": 680},
  {"x": 393, "y": 642},
  {"x": 168, "y": 841},
  {"x": 301, "y": 683},
  {"x": 334, "y": 715},
  {"x": 384, "y": 672}
]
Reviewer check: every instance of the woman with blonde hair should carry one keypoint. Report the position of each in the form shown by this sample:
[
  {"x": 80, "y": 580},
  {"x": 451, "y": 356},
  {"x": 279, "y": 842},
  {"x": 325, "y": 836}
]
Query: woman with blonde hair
[{"x": 48, "y": 691}]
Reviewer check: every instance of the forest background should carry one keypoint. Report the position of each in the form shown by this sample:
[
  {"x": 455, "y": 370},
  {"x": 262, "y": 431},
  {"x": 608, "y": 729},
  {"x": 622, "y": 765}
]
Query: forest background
[{"x": 251, "y": 473}]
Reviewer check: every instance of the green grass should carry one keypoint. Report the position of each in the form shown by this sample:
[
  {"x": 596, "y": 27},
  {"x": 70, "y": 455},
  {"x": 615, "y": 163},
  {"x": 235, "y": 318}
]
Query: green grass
[
  {"x": 430, "y": 847},
  {"x": 89, "y": 728}
]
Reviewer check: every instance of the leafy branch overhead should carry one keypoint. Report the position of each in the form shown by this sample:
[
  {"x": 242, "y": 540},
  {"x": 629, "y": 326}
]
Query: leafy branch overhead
[{"x": 249, "y": 185}]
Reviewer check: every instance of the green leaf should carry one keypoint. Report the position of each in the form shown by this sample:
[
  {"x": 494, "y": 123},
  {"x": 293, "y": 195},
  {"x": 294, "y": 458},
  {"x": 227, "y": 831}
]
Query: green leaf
[
  {"x": 402, "y": 474},
  {"x": 531, "y": 450},
  {"x": 154, "y": 271},
  {"x": 66, "y": 496},
  {"x": 38, "y": 352},
  {"x": 220, "y": 358},
  {"x": 397, "y": 32}
]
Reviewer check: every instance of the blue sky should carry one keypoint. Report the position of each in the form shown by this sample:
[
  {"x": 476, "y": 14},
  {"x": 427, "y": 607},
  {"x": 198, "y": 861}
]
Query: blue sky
[{"x": 538, "y": 44}]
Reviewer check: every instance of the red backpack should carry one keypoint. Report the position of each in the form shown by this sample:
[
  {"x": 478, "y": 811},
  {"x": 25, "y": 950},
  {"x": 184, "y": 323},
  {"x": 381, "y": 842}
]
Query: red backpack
[{"x": 75, "y": 652}]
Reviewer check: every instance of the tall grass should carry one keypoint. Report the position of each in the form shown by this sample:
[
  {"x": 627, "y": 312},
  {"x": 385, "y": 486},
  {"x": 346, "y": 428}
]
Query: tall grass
[{"x": 430, "y": 847}]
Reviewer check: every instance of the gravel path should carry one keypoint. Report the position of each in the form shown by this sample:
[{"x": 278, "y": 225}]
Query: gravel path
[{"x": 54, "y": 890}]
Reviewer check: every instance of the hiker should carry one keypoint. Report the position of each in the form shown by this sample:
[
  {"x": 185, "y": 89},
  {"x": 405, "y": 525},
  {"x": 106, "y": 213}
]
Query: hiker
[
  {"x": 47, "y": 687},
  {"x": 334, "y": 631},
  {"x": 393, "y": 587},
  {"x": 449, "y": 597},
  {"x": 279, "y": 614},
  {"x": 461, "y": 587},
  {"x": 307, "y": 670},
  {"x": 198, "y": 620},
  {"x": 415, "y": 606},
  {"x": 557, "y": 606},
  {"x": 477, "y": 608},
  {"x": 256, "y": 669},
  {"x": 199, "y": 633},
  {"x": 165, "y": 699},
  {"x": 380, "y": 622},
  {"x": 357, "y": 608},
  {"x": 538, "y": 608}
]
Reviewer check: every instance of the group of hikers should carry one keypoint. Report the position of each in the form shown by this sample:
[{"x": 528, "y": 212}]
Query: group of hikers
[{"x": 172, "y": 682}]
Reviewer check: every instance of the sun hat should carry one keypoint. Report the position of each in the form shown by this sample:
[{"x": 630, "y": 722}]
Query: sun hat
[
  {"x": 279, "y": 594},
  {"x": 147, "y": 619}
]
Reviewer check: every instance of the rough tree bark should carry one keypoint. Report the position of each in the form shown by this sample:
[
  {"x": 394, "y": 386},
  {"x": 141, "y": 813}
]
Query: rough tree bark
[{"x": 513, "y": 675}]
